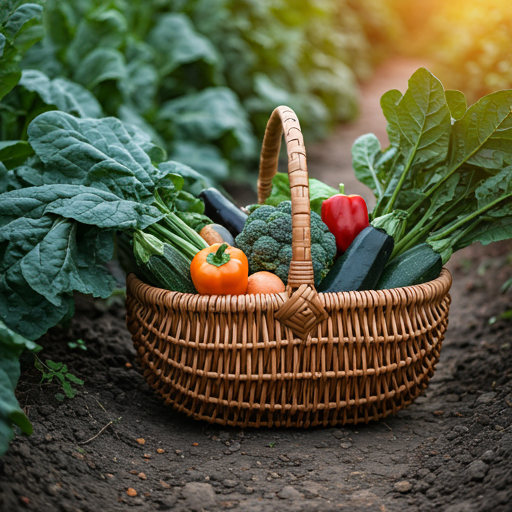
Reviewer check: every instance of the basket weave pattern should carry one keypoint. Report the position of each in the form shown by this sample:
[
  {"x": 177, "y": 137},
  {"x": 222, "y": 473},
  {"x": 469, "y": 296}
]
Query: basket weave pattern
[{"x": 295, "y": 359}]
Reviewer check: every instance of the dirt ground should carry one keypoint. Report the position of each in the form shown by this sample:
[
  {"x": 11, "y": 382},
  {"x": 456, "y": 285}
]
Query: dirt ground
[{"x": 450, "y": 451}]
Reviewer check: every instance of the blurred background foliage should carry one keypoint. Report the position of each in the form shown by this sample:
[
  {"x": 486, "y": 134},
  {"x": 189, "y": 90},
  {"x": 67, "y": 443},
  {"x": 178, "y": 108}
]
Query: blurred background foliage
[{"x": 201, "y": 76}]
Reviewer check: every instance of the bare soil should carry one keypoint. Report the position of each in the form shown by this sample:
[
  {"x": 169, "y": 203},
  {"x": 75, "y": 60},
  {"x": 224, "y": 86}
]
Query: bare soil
[{"x": 116, "y": 446}]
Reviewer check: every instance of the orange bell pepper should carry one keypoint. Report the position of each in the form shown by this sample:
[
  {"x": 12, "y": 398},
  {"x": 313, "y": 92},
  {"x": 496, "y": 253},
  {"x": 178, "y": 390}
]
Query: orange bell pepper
[{"x": 220, "y": 270}]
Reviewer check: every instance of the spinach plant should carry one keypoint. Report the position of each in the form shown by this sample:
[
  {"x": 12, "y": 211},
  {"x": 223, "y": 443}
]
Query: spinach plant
[{"x": 446, "y": 176}]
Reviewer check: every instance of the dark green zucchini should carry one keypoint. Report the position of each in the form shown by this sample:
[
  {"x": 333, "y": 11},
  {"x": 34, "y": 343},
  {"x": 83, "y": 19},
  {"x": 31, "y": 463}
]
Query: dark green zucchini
[
  {"x": 222, "y": 211},
  {"x": 415, "y": 266},
  {"x": 161, "y": 264},
  {"x": 361, "y": 266}
]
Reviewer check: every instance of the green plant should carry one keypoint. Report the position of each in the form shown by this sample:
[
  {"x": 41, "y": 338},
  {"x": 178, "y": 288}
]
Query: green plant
[
  {"x": 446, "y": 176},
  {"x": 59, "y": 371},
  {"x": 77, "y": 344},
  {"x": 11, "y": 414}
]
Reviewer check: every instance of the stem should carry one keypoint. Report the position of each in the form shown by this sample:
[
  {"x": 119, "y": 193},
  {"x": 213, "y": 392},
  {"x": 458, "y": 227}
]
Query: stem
[
  {"x": 342, "y": 188},
  {"x": 389, "y": 206},
  {"x": 463, "y": 221},
  {"x": 164, "y": 235},
  {"x": 220, "y": 257},
  {"x": 184, "y": 230},
  {"x": 376, "y": 211}
]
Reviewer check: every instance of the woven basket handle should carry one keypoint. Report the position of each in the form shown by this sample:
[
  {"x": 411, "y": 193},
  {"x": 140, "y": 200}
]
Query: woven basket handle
[{"x": 283, "y": 119}]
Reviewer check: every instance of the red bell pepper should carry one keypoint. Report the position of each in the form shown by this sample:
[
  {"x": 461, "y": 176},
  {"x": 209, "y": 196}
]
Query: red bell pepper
[{"x": 346, "y": 217}]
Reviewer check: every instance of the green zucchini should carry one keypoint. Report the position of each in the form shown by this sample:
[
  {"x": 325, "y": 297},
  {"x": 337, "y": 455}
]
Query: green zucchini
[
  {"x": 161, "y": 264},
  {"x": 362, "y": 264},
  {"x": 415, "y": 266}
]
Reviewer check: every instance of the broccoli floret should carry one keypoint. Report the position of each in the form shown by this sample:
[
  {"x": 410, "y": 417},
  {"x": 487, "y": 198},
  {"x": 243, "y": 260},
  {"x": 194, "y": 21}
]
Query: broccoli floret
[{"x": 267, "y": 241}]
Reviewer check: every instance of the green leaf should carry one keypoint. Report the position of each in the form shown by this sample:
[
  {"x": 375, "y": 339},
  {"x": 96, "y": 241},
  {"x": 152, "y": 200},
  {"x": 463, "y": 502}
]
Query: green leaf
[
  {"x": 209, "y": 115},
  {"x": 423, "y": 118},
  {"x": 98, "y": 152},
  {"x": 494, "y": 191},
  {"x": 457, "y": 103},
  {"x": 100, "y": 65},
  {"x": 74, "y": 379},
  {"x": 194, "y": 182},
  {"x": 105, "y": 28},
  {"x": 24, "y": 17},
  {"x": 64, "y": 94},
  {"x": 70, "y": 392},
  {"x": 10, "y": 411},
  {"x": 487, "y": 231},
  {"x": 482, "y": 137},
  {"x": 10, "y": 72},
  {"x": 365, "y": 150},
  {"x": 24, "y": 310},
  {"x": 53, "y": 365},
  {"x": 389, "y": 102},
  {"x": 14, "y": 342},
  {"x": 86, "y": 205},
  {"x": 318, "y": 191},
  {"x": 178, "y": 43},
  {"x": 51, "y": 268},
  {"x": 14, "y": 152}
]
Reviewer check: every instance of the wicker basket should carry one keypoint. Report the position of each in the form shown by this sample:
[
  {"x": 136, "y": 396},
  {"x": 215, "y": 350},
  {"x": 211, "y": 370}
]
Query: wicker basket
[{"x": 295, "y": 359}]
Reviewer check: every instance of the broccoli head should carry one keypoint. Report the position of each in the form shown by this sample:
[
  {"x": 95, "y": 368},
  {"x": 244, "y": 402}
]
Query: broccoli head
[{"x": 267, "y": 241}]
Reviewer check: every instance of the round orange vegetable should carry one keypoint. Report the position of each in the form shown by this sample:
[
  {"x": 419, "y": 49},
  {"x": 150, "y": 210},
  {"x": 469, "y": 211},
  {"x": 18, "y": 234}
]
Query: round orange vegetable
[
  {"x": 220, "y": 270},
  {"x": 264, "y": 282}
]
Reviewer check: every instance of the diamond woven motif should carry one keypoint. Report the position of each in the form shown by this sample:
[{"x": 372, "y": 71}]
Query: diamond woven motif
[{"x": 303, "y": 311}]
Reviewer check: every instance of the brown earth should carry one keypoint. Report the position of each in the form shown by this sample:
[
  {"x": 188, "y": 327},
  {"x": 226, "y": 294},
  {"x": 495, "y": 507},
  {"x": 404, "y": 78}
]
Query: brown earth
[{"x": 116, "y": 446}]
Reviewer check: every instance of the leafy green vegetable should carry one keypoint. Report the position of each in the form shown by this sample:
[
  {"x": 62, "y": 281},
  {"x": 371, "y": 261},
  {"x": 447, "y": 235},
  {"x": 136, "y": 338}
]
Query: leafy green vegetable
[
  {"x": 11, "y": 347},
  {"x": 318, "y": 192},
  {"x": 447, "y": 174}
]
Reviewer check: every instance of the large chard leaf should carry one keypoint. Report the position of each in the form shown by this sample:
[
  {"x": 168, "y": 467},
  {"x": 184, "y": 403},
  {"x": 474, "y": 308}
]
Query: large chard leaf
[
  {"x": 51, "y": 267},
  {"x": 86, "y": 205},
  {"x": 96, "y": 152}
]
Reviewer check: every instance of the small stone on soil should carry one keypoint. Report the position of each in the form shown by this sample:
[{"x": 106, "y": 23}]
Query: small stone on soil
[
  {"x": 403, "y": 486},
  {"x": 486, "y": 398},
  {"x": 198, "y": 496},
  {"x": 289, "y": 493},
  {"x": 142, "y": 476},
  {"x": 477, "y": 470},
  {"x": 131, "y": 492},
  {"x": 141, "y": 440}
]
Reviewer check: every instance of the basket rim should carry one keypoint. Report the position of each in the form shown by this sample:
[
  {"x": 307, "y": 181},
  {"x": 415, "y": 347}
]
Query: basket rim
[{"x": 419, "y": 293}]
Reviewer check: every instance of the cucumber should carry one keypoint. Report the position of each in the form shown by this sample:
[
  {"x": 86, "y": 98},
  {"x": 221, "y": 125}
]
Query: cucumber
[
  {"x": 161, "y": 264},
  {"x": 362, "y": 264},
  {"x": 223, "y": 211},
  {"x": 415, "y": 266}
]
